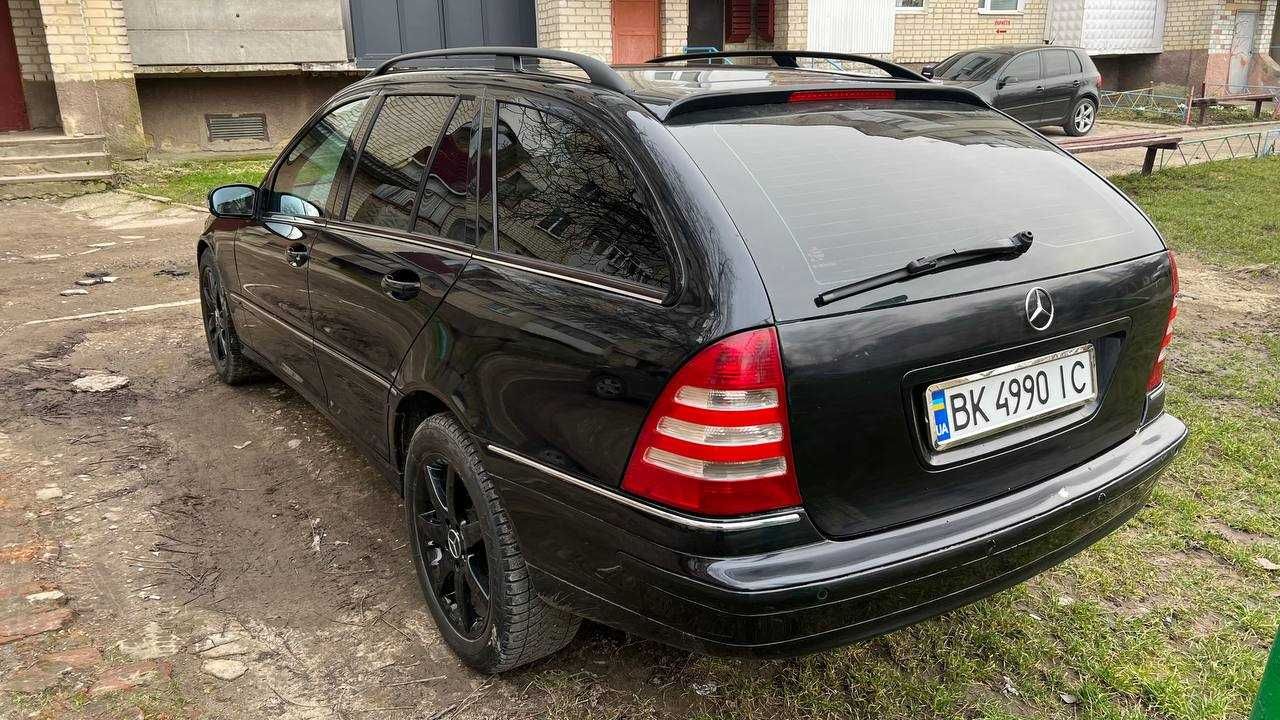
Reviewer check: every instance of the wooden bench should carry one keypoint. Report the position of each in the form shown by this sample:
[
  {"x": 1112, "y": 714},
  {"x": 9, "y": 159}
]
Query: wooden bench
[
  {"x": 1204, "y": 103},
  {"x": 1151, "y": 141}
]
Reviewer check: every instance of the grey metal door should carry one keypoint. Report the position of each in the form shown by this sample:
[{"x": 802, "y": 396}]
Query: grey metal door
[
  {"x": 1242, "y": 50},
  {"x": 384, "y": 28}
]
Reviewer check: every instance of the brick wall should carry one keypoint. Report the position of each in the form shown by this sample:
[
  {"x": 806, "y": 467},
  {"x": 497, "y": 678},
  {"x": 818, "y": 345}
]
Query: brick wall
[
  {"x": 1186, "y": 24},
  {"x": 948, "y": 26},
  {"x": 675, "y": 26},
  {"x": 87, "y": 39},
  {"x": 28, "y": 35},
  {"x": 582, "y": 26}
]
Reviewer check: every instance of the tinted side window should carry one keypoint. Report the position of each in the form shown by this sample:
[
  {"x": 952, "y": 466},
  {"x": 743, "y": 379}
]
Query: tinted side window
[
  {"x": 443, "y": 210},
  {"x": 1024, "y": 67},
  {"x": 1058, "y": 63},
  {"x": 1075, "y": 64},
  {"x": 304, "y": 180},
  {"x": 385, "y": 184},
  {"x": 567, "y": 197}
]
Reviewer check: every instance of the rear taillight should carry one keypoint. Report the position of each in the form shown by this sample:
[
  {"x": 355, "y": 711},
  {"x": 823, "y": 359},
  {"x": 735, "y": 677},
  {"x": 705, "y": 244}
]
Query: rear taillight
[
  {"x": 1157, "y": 370},
  {"x": 716, "y": 440},
  {"x": 838, "y": 95}
]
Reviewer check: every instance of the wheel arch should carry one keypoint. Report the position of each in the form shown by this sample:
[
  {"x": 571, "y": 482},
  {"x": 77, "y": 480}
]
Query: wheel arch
[{"x": 407, "y": 413}]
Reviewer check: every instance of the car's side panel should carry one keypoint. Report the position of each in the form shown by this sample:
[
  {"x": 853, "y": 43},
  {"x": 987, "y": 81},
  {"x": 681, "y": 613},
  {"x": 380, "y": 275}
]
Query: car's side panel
[
  {"x": 1024, "y": 98},
  {"x": 363, "y": 325},
  {"x": 1061, "y": 83}
]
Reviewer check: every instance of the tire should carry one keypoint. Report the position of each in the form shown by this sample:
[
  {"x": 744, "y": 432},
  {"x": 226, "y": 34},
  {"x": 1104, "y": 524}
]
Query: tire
[
  {"x": 464, "y": 547},
  {"x": 224, "y": 345},
  {"x": 1082, "y": 118}
]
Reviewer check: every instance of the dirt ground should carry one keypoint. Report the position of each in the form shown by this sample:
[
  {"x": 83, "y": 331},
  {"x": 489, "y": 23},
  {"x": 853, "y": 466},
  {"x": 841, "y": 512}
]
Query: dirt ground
[{"x": 179, "y": 548}]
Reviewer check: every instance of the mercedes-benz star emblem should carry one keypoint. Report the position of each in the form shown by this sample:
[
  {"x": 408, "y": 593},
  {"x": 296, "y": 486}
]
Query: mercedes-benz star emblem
[
  {"x": 1039, "y": 308},
  {"x": 454, "y": 541}
]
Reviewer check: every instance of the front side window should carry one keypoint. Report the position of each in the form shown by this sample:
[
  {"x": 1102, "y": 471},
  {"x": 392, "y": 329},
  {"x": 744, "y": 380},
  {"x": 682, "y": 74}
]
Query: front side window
[
  {"x": 305, "y": 178},
  {"x": 392, "y": 164},
  {"x": 1022, "y": 68},
  {"x": 566, "y": 196},
  {"x": 1057, "y": 63},
  {"x": 999, "y": 6},
  {"x": 975, "y": 66}
]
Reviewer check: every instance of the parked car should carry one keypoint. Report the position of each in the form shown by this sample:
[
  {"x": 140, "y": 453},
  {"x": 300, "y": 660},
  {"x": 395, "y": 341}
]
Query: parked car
[
  {"x": 1037, "y": 84},
  {"x": 886, "y": 351}
]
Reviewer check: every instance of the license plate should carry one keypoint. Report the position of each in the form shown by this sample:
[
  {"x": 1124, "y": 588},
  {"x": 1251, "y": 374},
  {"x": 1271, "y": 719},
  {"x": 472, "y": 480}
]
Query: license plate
[{"x": 985, "y": 403}]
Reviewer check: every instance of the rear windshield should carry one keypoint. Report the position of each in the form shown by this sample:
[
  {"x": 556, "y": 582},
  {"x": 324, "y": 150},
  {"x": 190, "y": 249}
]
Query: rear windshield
[{"x": 841, "y": 192}]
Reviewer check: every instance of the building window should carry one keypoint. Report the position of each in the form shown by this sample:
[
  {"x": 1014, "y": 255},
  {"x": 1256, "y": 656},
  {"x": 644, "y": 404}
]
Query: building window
[
  {"x": 1000, "y": 6},
  {"x": 909, "y": 5}
]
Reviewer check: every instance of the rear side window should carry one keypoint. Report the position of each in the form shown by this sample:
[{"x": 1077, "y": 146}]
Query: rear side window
[
  {"x": 443, "y": 209},
  {"x": 1075, "y": 64},
  {"x": 1022, "y": 68},
  {"x": 1057, "y": 62},
  {"x": 395, "y": 157},
  {"x": 567, "y": 196},
  {"x": 305, "y": 178}
]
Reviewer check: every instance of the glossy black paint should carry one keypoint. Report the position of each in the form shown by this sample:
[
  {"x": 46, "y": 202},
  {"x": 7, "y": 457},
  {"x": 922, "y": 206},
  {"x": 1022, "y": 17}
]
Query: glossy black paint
[{"x": 379, "y": 327}]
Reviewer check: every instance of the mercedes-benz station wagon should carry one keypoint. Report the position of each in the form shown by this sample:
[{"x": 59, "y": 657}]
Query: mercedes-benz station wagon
[{"x": 739, "y": 356}]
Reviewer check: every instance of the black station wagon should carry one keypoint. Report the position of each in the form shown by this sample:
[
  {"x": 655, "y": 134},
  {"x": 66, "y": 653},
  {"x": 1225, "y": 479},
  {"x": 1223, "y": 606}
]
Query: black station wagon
[{"x": 747, "y": 359}]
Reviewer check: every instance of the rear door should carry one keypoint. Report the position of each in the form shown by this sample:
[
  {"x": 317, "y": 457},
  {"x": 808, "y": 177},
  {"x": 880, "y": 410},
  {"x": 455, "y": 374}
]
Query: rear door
[
  {"x": 1061, "y": 82},
  {"x": 835, "y": 193},
  {"x": 1019, "y": 90},
  {"x": 270, "y": 308},
  {"x": 380, "y": 269}
]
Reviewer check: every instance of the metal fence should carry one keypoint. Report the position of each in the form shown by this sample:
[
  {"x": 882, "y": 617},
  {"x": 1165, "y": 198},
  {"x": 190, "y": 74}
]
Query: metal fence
[
  {"x": 1224, "y": 147},
  {"x": 1145, "y": 102}
]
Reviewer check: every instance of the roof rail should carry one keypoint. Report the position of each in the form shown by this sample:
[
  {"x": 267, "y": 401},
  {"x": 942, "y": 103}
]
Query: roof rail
[
  {"x": 787, "y": 59},
  {"x": 598, "y": 73}
]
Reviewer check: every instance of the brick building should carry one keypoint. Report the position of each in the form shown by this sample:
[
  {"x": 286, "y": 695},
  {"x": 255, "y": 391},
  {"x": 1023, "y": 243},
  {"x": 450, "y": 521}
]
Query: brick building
[{"x": 242, "y": 75}]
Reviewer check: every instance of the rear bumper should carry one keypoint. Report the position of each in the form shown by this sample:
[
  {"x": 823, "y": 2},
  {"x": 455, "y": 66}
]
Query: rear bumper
[{"x": 821, "y": 593}]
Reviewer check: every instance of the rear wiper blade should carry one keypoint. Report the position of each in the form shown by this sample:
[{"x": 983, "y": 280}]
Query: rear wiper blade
[{"x": 1002, "y": 250}]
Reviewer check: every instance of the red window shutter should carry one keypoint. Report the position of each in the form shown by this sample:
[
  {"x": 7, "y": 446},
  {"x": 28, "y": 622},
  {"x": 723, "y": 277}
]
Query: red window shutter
[
  {"x": 764, "y": 19},
  {"x": 737, "y": 21}
]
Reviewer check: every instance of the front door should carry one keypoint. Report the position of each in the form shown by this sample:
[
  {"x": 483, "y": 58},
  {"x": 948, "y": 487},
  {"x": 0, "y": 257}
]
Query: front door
[
  {"x": 635, "y": 31},
  {"x": 271, "y": 308},
  {"x": 1242, "y": 50},
  {"x": 378, "y": 274},
  {"x": 13, "y": 108},
  {"x": 1019, "y": 91}
]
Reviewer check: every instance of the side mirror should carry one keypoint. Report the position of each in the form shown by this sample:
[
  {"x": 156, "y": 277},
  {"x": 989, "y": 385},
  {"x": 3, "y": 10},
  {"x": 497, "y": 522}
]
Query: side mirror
[
  {"x": 927, "y": 71},
  {"x": 1005, "y": 81},
  {"x": 233, "y": 201}
]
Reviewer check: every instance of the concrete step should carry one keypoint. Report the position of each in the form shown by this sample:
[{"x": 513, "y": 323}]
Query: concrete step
[
  {"x": 18, "y": 166},
  {"x": 43, "y": 144},
  {"x": 54, "y": 184}
]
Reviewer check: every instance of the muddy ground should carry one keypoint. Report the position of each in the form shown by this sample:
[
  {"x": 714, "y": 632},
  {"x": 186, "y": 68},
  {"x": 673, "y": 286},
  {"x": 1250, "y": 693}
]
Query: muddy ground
[{"x": 143, "y": 525}]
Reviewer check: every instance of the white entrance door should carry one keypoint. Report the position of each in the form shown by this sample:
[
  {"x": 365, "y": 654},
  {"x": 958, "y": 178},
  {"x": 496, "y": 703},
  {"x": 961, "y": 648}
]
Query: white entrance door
[
  {"x": 1242, "y": 50},
  {"x": 851, "y": 26}
]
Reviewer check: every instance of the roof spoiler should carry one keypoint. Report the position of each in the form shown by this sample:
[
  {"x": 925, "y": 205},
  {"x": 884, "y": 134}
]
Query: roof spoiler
[
  {"x": 598, "y": 73},
  {"x": 787, "y": 59}
]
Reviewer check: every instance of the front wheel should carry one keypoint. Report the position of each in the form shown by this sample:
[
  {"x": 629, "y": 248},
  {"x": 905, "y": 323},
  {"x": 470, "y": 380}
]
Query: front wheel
[
  {"x": 1082, "y": 118},
  {"x": 470, "y": 567},
  {"x": 224, "y": 346}
]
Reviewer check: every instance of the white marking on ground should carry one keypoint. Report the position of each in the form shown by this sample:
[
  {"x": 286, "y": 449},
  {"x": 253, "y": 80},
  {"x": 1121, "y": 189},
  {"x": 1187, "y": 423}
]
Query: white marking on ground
[{"x": 122, "y": 311}]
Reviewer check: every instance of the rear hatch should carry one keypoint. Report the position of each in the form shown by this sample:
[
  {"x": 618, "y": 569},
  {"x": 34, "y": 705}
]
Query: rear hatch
[{"x": 828, "y": 194}]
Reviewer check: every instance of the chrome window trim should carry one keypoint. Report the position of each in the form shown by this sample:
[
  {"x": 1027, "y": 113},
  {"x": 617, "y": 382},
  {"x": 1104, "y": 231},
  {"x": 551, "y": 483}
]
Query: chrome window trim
[
  {"x": 754, "y": 523},
  {"x": 489, "y": 258}
]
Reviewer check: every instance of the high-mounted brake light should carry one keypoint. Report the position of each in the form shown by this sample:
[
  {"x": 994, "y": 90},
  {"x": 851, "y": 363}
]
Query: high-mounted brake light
[
  {"x": 838, "y": 95},
  {"x": 1157, "y": 370},
  {"x": 716, "y": 440}
]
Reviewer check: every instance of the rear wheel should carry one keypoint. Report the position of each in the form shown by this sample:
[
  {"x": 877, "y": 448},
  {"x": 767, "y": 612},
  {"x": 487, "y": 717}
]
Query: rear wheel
[
  {"x": 1082, "y": 118},
  {"x": 468, "y": 562},
  {"x": 224, "y": 346}
]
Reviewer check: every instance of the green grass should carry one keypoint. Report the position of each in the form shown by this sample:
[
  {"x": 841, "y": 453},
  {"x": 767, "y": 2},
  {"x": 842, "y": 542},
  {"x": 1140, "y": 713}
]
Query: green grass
[
  {"x": 191, "y": 181},
  {"x": 1226, "y": 212}
]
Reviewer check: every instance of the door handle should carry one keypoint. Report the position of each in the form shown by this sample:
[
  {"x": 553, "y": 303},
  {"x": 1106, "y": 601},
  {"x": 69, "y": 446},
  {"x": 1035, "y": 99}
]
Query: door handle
[
  {"x": 400, "y": 289},
  {"x": 297, "y": 255},
  {"x": 1075, "y": 83},
  {"x": 1039, "y": 88}
]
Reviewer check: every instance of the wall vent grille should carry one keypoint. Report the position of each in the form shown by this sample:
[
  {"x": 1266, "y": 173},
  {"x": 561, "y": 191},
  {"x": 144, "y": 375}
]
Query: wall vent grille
[{"x": 247, "y": 126}]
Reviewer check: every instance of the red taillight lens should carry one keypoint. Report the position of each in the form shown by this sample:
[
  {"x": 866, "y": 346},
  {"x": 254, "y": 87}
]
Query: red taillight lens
[
  {"x": 838, "y": 95},
  {"x": 716, "y": 440},
  {"x": 1157, "y": 370}
]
